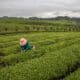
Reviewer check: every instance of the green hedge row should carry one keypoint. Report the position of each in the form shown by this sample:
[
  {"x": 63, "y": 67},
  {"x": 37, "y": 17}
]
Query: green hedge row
[
  {"x": 50, "y": 66},
  {"x": 74, "y": 76},
  {"x": 12, "y": 53},
  {"x": 19, "y": 26}
]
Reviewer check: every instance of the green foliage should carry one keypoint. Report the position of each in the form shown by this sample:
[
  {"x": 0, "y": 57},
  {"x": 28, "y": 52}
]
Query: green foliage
[
  {"x": 15, "y": 25},
  {"x": 54, "y": 56},
  {"x": 74, "y": 76}
]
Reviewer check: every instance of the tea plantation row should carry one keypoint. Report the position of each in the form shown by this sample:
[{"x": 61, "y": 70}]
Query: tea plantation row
[{"x": 56, "y": 55}]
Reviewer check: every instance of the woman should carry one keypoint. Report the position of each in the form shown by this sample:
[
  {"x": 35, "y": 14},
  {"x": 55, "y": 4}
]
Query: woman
[{"x": 25, "y": 44}]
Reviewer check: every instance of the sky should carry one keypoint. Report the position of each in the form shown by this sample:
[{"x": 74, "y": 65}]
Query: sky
[{"x": 40, "y": 8}]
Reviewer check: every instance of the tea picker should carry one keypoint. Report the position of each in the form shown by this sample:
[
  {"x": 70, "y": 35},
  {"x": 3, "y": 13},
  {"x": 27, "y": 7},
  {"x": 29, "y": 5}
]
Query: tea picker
[{"x": 25, "y": 45}]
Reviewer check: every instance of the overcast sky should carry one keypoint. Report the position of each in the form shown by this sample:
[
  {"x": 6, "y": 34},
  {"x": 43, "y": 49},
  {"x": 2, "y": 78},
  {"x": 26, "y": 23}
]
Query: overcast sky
[{"x": 40, "y": 8}]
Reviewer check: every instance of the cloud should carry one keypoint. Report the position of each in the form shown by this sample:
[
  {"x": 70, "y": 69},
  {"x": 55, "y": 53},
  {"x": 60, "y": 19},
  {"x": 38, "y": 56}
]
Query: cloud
[
  {"x": 60, "y": 13},
  {"x": 41, "y": 8}
]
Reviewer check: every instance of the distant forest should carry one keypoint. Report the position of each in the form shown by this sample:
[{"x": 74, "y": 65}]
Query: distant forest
[{"x": 53, "y": 18}]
